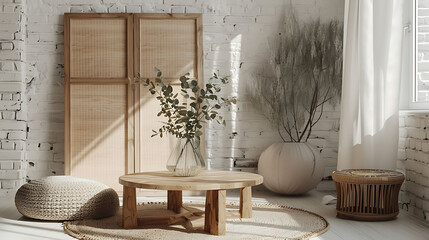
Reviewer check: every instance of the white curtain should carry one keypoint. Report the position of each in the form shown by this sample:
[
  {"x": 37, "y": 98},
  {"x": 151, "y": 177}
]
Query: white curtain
[{"x": 373, "y": 31}]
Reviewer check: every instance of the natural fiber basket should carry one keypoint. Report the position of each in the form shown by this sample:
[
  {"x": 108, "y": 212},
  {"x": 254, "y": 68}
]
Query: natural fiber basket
[{"x": 367, "y": 194}]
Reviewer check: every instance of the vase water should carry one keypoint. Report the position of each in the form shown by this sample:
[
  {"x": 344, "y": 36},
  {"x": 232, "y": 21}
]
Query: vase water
[{"x": 186, "y": 159}]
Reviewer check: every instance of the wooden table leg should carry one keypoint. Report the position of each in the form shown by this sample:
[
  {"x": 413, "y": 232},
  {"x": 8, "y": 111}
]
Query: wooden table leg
[
  {"x": 215, "y": 220},
  {"x": 129, "y": 208},
  {"x": 174, "y": 200},
  {"x": 246, "y": 202}
]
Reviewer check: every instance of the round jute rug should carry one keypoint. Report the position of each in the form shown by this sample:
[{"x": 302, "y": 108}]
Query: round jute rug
[{"x": 269, "y": 221}]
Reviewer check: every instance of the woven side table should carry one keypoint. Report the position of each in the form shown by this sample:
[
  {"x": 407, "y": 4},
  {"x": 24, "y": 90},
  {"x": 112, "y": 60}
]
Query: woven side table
[{"x": 367, "y": 194}]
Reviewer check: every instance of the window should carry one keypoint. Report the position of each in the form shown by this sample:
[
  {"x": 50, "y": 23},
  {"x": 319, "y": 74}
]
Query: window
[{"x": 415, "y": 69}]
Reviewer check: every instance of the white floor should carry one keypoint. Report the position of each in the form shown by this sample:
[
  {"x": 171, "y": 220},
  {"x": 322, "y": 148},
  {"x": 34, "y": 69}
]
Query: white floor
[{"x": 14, "y": 227}]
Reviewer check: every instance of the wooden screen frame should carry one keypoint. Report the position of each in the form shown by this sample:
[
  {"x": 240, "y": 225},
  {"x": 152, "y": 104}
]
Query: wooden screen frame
[
  {"x": 132, "y": 163},
  {"x": 129, "y": 151},
  {"x": 199, "y": 61}
]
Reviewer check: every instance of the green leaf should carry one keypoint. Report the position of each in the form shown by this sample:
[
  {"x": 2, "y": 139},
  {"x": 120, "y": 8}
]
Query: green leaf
[{"x": 183, "y": 120}]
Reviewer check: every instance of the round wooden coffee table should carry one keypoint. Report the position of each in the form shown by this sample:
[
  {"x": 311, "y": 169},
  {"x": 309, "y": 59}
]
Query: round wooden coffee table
[{"x": 215, "y": 183}]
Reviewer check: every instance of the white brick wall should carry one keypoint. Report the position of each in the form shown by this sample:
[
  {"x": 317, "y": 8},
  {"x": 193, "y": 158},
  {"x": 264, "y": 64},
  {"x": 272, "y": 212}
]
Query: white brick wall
[
  {"x": 13, "y": 128},
  {"x": 413, "y": 161},
  {"x": 237, "y": 35}
]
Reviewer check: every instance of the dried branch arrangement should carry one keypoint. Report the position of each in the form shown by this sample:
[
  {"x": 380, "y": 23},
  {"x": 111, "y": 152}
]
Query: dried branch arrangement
[{"x": 304, "y": 74}]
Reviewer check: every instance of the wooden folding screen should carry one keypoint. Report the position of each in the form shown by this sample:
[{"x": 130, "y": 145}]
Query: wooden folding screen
[
  {"x": 98, "y": 63},
  {"x": 107, "y": 114},
  {"x": 173, "y": 44}
]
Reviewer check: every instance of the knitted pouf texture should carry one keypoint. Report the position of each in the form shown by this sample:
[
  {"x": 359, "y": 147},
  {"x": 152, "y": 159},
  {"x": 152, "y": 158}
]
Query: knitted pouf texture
[{"x": 66, "y": 198}]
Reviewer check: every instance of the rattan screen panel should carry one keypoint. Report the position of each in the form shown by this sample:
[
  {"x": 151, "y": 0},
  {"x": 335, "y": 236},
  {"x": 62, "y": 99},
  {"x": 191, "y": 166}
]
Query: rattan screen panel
[
  {"x": 98, "y": 132},
  {"x": 168, "y": 44},
  {"x": 98, "y": 48}
]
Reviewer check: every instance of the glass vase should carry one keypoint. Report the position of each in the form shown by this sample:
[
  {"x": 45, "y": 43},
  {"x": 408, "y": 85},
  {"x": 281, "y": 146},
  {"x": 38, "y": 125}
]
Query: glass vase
[{"x": 186, "y": 160}]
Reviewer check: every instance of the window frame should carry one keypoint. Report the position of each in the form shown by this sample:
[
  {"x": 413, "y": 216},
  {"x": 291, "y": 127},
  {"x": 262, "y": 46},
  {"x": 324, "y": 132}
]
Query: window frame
[{"x": 409, "y": 94}]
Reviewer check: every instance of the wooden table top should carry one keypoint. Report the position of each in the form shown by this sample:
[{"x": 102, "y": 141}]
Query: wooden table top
[{"x": 206, "y": 180}]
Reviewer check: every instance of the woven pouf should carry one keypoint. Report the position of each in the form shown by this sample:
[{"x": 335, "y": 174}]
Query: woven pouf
[
  {"x": 66, "y": 198},
  {"x": 367, "y": 194}
]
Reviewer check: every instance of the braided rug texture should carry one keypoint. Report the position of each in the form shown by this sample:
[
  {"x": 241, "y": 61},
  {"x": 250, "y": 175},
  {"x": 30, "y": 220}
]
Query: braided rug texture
[{"x": 269, "y": 221}]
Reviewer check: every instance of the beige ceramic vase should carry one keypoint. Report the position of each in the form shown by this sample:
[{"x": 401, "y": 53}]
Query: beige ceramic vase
[{"x": 291, "y": 168}]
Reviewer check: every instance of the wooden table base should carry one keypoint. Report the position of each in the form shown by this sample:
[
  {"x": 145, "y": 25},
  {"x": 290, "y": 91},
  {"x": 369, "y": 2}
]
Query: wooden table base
[
  {"x": 174, "y": 200},
  {"x": 129, "y": 208},
  {"x": 246, "y": 202},
  {"x": 214, "y": 219},
  {"x": 215, "y": 208}
]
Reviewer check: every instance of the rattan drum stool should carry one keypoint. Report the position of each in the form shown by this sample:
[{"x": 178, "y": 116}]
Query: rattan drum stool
[{"x": 367, "y": 194}]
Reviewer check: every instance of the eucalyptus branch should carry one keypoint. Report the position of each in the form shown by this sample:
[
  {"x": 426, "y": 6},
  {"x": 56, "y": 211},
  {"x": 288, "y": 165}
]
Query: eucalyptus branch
[{"x": 184, "y": 119}]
